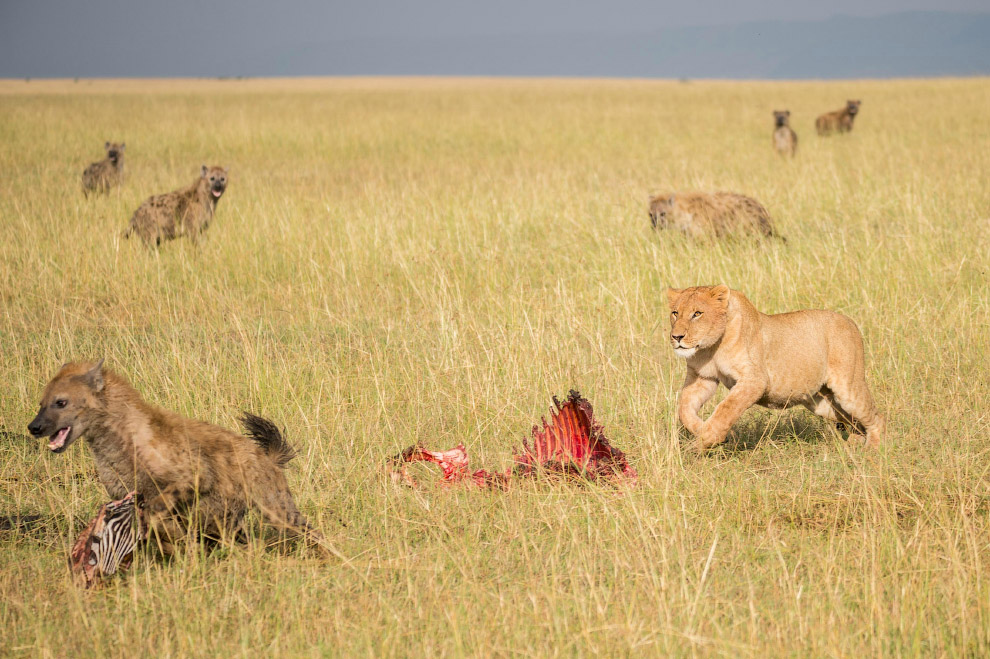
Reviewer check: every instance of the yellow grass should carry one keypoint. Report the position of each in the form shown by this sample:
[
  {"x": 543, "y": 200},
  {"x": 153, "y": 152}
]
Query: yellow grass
[{"x": 429, "y": 260}]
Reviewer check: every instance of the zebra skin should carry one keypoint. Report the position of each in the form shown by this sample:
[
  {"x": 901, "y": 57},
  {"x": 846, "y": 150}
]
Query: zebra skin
[{"x": 107, "y": 544}]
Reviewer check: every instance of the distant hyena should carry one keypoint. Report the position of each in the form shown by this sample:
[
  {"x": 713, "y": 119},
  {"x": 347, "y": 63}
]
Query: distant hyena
[
  {"x": 102, "y": 175},
  {"x": 840, "y": 120},
  {"x": 183, "y": 212},
  {"x": 705, "y": 214},
  {"x": 784, "y": 138}
]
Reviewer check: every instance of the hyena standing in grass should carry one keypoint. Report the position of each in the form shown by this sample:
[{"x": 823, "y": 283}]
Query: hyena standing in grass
[
  {"x": 710, "y": 214},
  {"x": 193, "y": 476},
  {"x": 839, "y": 121},
  {"x": 104, "y": 174},
  {"x": 784, "y": 138},
  {"x": 183, "y": 212}
]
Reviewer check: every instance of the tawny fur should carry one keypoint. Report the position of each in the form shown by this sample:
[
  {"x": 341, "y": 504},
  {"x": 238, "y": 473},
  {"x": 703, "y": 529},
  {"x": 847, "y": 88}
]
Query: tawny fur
[
  {"x": 710, "y": 214},
  {"x": 784, "y": 138},
  {"x": 104, "y": 174},
  {"x": 840, "y": 121},
  {"x": 812, "y": 358},
  {"x": 184, "y": 212},
  {"x": 193, "y": 475}
]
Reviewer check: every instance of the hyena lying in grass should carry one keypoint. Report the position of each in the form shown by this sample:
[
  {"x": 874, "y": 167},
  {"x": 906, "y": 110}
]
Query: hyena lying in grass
[
  {"x": 102, "y": 175},
  {"x": 183, "y": 212},
  {"x": 710, "y": 214},
  {"x": 192, "y": 475}
]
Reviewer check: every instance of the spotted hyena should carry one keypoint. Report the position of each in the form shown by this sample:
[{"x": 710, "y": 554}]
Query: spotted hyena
[
  {"x": 784, "y": 138},
  {"x": 704, "y": 215},
  {"x": 104, "y": 174},
  {"x": 184, "y": 212},
  {"x": 839, "y": 121}
]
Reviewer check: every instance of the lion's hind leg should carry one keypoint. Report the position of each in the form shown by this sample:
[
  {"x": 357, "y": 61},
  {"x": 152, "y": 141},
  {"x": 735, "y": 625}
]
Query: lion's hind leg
[
  {"x": 853, "y": 401},
  {"x": 823, "y": 404}
]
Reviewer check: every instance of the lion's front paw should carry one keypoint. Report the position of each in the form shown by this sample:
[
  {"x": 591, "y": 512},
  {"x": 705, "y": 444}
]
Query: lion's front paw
[
  {"x": 705, "y": 441},
  {"x": 695, "y": 447}
]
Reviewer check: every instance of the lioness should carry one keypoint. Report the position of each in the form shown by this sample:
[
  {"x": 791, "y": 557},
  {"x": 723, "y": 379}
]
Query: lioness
[{"x": 812, "y": 358}]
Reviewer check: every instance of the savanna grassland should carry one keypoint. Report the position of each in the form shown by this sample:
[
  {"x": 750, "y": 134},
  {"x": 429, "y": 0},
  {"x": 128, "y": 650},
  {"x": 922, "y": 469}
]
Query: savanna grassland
[{"x": 402, "y": 261}]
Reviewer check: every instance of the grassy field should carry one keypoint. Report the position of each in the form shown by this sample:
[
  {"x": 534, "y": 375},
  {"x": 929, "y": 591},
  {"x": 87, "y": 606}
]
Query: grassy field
[{"x": 399, "y": 261}]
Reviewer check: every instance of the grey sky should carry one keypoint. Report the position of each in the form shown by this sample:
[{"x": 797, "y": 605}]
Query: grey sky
[{"x": 51, "y": 38}]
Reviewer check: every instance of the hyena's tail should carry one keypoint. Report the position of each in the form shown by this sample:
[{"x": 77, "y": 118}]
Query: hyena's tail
[{"x": 268, "y": 437}]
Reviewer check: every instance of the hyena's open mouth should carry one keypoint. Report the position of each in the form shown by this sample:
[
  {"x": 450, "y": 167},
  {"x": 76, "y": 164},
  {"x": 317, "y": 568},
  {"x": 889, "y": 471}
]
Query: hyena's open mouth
[
  {"x": 56, "y": 443},
  {"x": 217, "y": 192}
]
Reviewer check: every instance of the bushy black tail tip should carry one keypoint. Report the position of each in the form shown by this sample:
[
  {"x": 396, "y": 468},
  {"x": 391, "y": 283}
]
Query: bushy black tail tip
[{"x": 268, "y": 437}]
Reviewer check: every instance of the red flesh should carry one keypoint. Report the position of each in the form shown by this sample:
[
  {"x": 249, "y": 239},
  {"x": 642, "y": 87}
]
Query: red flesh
[{"x": 570, "y": 443}]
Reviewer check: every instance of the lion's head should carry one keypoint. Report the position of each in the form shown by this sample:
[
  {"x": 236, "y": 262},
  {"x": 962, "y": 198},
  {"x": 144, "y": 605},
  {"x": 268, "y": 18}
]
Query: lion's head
[{"x": 697, "y": 317}]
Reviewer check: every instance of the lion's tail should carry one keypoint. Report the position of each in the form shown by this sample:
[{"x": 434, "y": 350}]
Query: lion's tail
[{"x": 268, "y": 437}]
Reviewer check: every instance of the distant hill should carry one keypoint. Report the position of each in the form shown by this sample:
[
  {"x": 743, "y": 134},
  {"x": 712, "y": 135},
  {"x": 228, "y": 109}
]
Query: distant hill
[{"x": 895, "y": 45}]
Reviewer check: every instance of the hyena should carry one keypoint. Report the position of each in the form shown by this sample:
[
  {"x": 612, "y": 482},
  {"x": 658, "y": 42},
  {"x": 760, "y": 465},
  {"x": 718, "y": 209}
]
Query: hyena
[
  {"x": 192, "y": 475},
  {"x": 183, "y": 212},
  {"x": 784, "y": 138},
  {"x": 840, "y": 120},
  {"x": 706, "y": 214},
  {"x": 104, "y": 174}
]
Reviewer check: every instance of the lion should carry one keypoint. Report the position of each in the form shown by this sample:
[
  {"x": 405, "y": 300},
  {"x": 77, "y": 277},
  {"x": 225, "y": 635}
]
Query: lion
[
  {"x": 812, "y": 358},
  {"x": 706, "y": 214}
]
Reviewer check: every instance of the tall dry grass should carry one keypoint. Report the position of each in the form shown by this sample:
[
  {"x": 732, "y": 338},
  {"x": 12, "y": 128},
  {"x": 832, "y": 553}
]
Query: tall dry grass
[{"x": 429, "y": 260}]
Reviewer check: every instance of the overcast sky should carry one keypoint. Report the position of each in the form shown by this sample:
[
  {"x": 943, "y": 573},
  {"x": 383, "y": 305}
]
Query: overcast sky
[{"x": 51, "y": 38}]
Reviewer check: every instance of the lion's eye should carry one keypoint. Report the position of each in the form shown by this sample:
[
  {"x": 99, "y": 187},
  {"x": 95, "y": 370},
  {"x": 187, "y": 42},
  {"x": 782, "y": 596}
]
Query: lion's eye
[
  {"x": 61, "y": 402},
  {"x": 696, "y": 314},
  {"x": 673, "y": 314}
]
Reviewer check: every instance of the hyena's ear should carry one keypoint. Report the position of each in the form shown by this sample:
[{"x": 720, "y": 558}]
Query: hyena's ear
[
  {"x": 94, "y": 377},
  {"x": 787, "y": 113},
  {"x": 106, "y": 145},
  {"x": 720, "y": 294},
  {"x": 671, "y": 200},
  {"x": 672, "y": 295},
  {"x": 202, "y": 173},
  {"x": 226, "y": 170},
  {"x": 123, "y": 145}
]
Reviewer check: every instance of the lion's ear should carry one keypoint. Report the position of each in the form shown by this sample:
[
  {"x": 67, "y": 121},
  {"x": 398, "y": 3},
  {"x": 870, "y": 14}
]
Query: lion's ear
[
  {"x": 720, "y": 294},
  {"x": 672, "y": 295}
]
